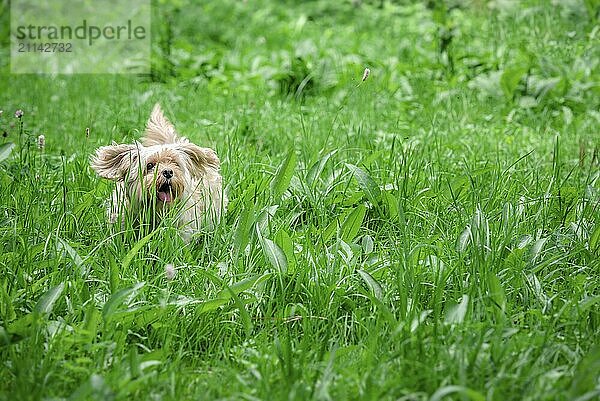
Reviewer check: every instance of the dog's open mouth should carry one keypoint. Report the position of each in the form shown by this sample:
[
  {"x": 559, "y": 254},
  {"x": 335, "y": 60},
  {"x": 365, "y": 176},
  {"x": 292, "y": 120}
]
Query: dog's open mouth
[{"x": 165, "y": 193}]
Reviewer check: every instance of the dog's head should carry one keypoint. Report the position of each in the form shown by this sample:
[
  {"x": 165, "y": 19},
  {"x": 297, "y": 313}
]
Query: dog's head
[
  {"x": 158, "y": 172},
  {"x": 160, "y": 169}
]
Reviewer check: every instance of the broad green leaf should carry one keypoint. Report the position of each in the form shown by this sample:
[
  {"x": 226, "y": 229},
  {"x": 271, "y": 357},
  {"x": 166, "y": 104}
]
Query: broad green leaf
[
  {"x": 212, "y": 304},
  {"x": 4, "y": 337},
  {"x": 94, "y": 388},
  {"x": 62, "y": 245},
  {"x": 373, "y": 285},
  {"x": 7, "y": 303},
  {"x": 225, "y": 295},
  {"x": 283, "y": 177},
  {"x": 91, "y": 321},
  {"x": 285, "y": 242},
  {"x": 456, "y": 314},
  {"x": 417, "y": 321},
  {"x": 136, "y": 248},
  {"x": 243, "y": 285},
  {"x": 317, "y": 168},
  {"x": 22, "y": 326},
  {"x": 134, "y": 362},
  {"x": 585, "y": 376},
  {"x": 264, "y": 218},
  {"x": 497, "y": 295},
  {"x": 243, "y": 313},
  {"x": 148, "y": 315},
  {"x": 541, "y": 87},
  {"x": 588, "y": 302},
  {"x": 510, "y": 78},
  {"x": 116, "y": 299},
  {"x": 595, "y": 240},
  {"x": 537, "y": 248},
  {"x": 394, "y": 211},
  {"x": 46, "y": 302},
  {"x": 243, "y": 229},
  {"x": 366, "y": 183},
  {"x": 524, "y": 241},
  {"x": 334, "y": 224},
  {"x": 367, "y": 244},
  {"x": 465, "y": 391},
  {"x": 5, "y": 150},
  {"x": 536, "y": 287},
  {"x": 480, "y": 230},
  {"x": 87, "y": 200},
  {"x": 274, "y": 254},
  {"x": 352, "y": 224}
]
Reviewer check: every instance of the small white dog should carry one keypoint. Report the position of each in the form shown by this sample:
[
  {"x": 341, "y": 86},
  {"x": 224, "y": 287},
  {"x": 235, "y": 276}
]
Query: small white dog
[{"x": 162, "y": 172}]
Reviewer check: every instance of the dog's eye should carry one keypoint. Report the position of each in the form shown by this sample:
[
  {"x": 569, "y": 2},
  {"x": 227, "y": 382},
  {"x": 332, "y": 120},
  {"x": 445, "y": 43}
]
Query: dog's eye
[{"x": 149, "y": 166}]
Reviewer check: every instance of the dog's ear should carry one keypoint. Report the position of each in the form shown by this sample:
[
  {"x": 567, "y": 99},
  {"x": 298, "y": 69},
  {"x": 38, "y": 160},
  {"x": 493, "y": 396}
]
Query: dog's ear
[
  {"x": 159, "y": 130},
  {"x": 113, "y": 162},
  {"x": 200, "y": 159}
]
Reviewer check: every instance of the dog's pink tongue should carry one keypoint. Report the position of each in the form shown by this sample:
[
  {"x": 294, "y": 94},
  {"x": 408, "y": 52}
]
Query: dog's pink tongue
[{"x": 165, "y": 197}]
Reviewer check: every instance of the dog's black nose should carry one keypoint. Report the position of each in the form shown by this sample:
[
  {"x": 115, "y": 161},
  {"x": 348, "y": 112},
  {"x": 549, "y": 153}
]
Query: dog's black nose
[{"x": 167, "y": 173}]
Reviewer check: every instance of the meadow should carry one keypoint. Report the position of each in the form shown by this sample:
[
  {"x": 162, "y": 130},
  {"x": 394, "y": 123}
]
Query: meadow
[{"x": 431, "y": 232}]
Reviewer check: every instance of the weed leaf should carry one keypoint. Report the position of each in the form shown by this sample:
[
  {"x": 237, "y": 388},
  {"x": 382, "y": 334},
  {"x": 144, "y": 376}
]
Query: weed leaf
[
  {"x": 235, "y": 289},
  {"x": 46, "y": 302},
  {"x": 317, "y": 168},
  {"x": 510, "y": 78},
  {"x": 417, "y": 321},
  {"x": 373, "y": 285},
  {"x": 5, "y": 150},
  {"x": 116, "y": 299},
  {"x": 497, "y": 295},
  {"x": 537, "y": 249},
  {"x": 465, "y": 391},
  {"x": 243, "y": 285},
  {"x": 285, "y": 242},
  {"x": 275, "y": 255},
  {"x": 352, "y": 224},
  {"x": 63, "y": 246},
  {"x": 367, "y": 244},
  {"x": 366, "y": 183},
  {"x": 595, "y": 240},
  {"x": 457, "y": 313},
  {"x": 136, "y": 248},
  {"x": 242, "y": 231},
  {"x": 283, "y": 177}
]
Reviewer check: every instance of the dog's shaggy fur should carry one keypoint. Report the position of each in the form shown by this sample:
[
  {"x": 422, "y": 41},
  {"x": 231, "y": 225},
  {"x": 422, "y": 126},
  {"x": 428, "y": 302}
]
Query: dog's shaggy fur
[{"x": 162, "y": 172}]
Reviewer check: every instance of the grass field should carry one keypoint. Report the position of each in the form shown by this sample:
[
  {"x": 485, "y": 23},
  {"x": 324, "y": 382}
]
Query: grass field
[{"x": 429, "y": 233}]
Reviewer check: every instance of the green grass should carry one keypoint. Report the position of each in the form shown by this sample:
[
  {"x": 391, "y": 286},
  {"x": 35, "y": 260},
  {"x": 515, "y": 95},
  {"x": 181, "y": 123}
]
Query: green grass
[{"x": 430, "y": 233}]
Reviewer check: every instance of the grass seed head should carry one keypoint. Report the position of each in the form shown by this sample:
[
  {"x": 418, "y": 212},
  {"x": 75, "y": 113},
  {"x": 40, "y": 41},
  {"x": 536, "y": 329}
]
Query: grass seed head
[
  {"x": 170, "y": 271},
  {"x": 41, "y": 142},
  {"x": 366, "y": 74}
]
